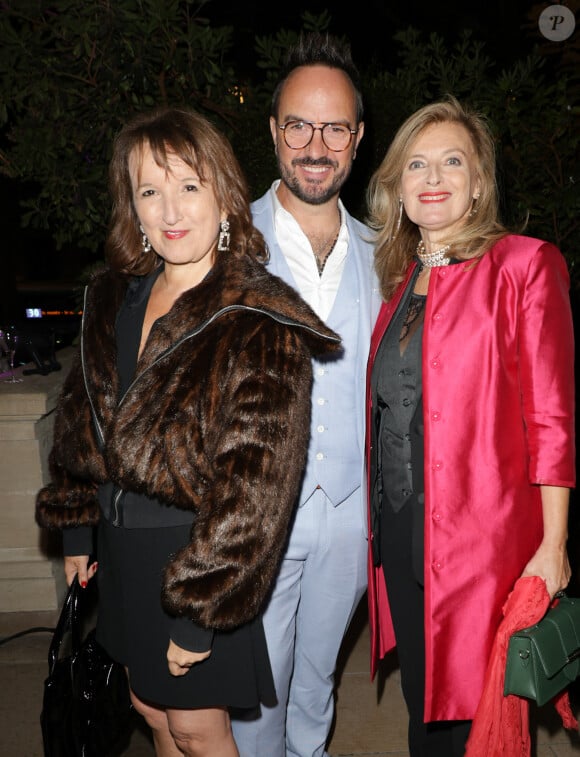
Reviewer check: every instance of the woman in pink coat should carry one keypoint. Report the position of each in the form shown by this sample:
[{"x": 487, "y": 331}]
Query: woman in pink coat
[{"x": 470, "y": 421}]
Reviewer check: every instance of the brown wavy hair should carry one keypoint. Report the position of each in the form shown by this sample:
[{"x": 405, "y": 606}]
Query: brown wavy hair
[
  {"x": 395, "y": 246},
  {"x": 180, "y": 132}
]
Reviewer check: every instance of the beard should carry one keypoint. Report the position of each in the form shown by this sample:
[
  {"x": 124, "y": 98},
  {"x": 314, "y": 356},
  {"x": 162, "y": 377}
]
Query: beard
[{"x": 313, "y": 192}]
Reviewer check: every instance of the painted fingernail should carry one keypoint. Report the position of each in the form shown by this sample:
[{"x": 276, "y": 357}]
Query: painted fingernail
[
  {"x": 83, "y": 584},
  {"x": 95, "y": 566}
]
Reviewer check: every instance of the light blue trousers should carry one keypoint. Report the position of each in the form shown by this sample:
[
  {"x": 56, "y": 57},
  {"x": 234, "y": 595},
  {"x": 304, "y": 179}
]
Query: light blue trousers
[{"x": 320, "y": 584}]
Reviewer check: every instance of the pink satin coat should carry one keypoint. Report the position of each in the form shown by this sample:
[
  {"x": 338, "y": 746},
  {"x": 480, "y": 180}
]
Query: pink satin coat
[{"x": 498, "y": 394}]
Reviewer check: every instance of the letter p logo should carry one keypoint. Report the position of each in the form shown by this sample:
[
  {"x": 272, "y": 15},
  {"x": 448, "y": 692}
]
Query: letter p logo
[{"x": 557, "y": 23}]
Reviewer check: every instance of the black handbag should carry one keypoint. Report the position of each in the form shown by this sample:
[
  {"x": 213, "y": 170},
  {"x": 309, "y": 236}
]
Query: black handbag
[
  {"x": 544, "y": 659},
  {"x": 86, "y": 709}
]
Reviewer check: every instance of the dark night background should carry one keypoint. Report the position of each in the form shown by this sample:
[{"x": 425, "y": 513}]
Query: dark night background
[
  {"x": 507, "y": 29},
  {"x": 370, "y": 24}
]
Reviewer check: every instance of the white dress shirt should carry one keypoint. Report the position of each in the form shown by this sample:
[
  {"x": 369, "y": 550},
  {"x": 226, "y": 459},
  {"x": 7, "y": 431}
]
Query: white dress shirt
[{"x": 319, "y": 291}]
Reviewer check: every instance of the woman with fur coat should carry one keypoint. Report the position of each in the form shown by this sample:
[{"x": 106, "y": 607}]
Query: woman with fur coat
[{"x": 181, "y": 433}]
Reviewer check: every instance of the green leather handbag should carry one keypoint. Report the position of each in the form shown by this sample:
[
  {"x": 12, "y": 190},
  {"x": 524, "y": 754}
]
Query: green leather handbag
[{"x": 544, "y": 659}]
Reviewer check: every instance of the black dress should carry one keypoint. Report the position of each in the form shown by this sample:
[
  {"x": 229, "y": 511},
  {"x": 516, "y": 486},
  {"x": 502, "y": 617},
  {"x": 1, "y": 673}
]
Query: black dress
[{"x": 131, "y": 624}]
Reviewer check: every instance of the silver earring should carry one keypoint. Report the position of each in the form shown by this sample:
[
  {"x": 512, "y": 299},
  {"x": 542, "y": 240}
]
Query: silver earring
[
  {"x": 144, "y": 241},
  {"x": 473, "y": 210},
  {"x": 224, "y": 237},
  {"x": 400, "y": 219}
]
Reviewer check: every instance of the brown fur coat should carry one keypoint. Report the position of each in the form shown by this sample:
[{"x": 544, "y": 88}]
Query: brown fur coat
[{"x": 216, "y": 421}]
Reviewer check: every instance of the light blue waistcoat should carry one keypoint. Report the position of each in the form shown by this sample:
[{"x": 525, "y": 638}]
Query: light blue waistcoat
[{"x": 336, "y": 451}]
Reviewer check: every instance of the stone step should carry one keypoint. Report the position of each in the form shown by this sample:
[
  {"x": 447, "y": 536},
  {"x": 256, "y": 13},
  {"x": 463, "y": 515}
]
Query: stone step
[{"x": 27, "y": 581}]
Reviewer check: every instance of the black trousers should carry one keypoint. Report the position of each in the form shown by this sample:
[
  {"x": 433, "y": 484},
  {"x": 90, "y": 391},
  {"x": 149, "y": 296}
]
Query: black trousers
[{"x": 406, "y": 600}]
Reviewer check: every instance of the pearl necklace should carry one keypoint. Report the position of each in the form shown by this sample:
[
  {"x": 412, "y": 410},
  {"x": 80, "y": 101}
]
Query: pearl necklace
[{"x": 432, "y": 259}]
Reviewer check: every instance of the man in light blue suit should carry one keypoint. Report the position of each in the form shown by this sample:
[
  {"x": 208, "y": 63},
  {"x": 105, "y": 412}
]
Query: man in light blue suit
[{"x": 317, "y": 246}]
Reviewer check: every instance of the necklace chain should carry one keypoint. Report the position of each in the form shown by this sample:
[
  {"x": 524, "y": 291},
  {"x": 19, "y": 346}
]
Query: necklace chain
[
  {"x": 432, "y": 259},
  {"x": 321, "y": 263}
]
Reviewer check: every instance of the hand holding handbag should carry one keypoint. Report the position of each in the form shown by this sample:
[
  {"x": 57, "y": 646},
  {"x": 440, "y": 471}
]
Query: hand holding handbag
[
  {"x": 86, "y": 708},
  {"x": 544, "y": 659}
]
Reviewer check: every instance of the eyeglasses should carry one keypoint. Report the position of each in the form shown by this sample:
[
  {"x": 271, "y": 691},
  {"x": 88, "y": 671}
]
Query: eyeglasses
[{"x": 298, "y": 134}]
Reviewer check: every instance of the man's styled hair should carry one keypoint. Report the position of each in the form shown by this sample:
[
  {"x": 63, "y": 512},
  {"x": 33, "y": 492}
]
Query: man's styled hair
[{"x": 317, "y": 49}]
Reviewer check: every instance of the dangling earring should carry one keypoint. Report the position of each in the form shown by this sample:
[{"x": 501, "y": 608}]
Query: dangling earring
[
  {"x": 224, "y": 237},
  {"x": 473, "y": 210},
  {"x": 400, "y": 219},
  {"x": 144, "y": 241}
]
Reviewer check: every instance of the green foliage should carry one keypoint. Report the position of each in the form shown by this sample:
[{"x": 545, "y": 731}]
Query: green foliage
[
  {"x": 73, "y": 72},
  {"x": 530, "y": 109},
  {"x": 540, "y": 137},
  {"x": 253, "y": 142}
]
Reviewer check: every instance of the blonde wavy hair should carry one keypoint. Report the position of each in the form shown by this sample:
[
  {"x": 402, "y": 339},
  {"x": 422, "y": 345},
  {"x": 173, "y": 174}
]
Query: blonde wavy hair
[{"x": 395, "y": 245}]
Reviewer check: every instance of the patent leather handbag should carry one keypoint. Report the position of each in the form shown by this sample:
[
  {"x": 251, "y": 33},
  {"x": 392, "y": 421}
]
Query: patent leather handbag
[
  {"x": 86, "y": 710},
  {"x": 544, "y": 659}
]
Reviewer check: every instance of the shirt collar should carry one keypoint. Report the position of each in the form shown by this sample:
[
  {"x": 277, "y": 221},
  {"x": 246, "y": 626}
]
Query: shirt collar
[{"x": 282, "y": 216}]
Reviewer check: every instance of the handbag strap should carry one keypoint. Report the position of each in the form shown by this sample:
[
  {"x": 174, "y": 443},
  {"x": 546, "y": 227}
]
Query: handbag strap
[{"x": 69, "y": 623}]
